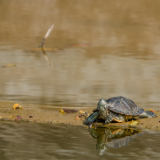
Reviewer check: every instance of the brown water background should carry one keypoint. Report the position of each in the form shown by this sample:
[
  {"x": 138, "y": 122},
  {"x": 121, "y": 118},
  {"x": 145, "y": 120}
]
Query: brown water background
[
  {"x": 98, "y": 49},
  {"x": 47, "y": 141}
]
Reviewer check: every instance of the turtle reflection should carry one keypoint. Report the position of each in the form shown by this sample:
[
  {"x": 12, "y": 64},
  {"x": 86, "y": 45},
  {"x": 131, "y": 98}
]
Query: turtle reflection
[{"x": 112, "y": 138}]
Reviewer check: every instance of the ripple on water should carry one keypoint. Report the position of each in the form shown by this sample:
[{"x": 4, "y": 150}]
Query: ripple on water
[{"x": 46, "y": 141}]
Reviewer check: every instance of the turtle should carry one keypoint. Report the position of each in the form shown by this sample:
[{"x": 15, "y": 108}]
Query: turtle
[{"x": 118, "y": 109}]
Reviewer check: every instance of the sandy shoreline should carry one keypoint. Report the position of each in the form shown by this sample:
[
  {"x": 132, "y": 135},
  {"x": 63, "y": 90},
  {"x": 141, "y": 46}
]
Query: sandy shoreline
[{"x": 46, "y": 114}]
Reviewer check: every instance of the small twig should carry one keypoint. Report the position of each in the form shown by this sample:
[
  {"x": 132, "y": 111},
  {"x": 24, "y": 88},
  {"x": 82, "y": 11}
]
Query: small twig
[{"x": 46, "y": 35}]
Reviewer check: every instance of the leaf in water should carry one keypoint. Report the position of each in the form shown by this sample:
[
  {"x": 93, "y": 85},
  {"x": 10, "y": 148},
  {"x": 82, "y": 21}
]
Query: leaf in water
[
  {"x": 68, "y": 110},
  {"x": 133, "y": 123},
  {"x": 18, "y": 119},
  {"x": 83, "y": 112},
  {"x": 78, "y": 117},
  {"x": 9, "y": 65},
  {"x": 12, "y": 116},
  {"x": 17, "y": 106},
  {"x": 61, "y": 111},
  {"x": 80, "y": 45}
]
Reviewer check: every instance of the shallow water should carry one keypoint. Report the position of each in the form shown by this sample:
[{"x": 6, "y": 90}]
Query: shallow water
[
  {"x": 42, "y": 141},
  {"x": 110, "y": 52}
]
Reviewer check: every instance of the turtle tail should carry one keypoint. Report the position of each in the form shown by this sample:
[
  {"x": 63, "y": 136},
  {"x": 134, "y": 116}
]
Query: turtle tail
[
  {"x": 91, "y": 118},
  {"x": 148, "y": 114}
]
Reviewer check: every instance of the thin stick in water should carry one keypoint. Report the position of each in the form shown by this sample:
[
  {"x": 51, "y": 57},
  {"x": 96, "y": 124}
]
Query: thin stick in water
[{"x": 46, "y": 35}]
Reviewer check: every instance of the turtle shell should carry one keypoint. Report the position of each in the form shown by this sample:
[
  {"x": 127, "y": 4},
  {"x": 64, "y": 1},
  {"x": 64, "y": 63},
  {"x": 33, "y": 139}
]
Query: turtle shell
[{"x": 124, "y": 106}]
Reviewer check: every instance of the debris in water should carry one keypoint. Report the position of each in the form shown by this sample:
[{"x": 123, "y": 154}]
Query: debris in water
[
  {"x": 62, "y": 111},
  {"x": 17, "y": 106},
  {"x": 18, "y": 119},
  {"x": 78, "y": 117},
  {"x": 133, "y": 123},
  {"x": 83, "y": 112},
  {"x": 9, "y": 65},
  {"x": 46, "y": 35},
  {"x": 80, "y": 45},
  {"x": 12, "y": 116}
]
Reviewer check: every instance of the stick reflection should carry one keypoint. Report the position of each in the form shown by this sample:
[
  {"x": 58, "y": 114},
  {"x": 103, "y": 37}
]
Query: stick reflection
[{"x": 46, "y": 57}]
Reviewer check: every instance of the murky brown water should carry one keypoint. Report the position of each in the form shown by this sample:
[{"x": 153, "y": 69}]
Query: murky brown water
[
  {"x": 98, "y": 49},
  {"x": 42, "y": 141}
]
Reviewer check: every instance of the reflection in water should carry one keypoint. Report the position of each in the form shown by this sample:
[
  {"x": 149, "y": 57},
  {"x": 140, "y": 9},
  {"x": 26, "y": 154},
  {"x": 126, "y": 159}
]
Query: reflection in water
[
  {"x": 46, "y": 57},
  {"x": 30, "y": 141},
  {"x": 112, "y": 138}
]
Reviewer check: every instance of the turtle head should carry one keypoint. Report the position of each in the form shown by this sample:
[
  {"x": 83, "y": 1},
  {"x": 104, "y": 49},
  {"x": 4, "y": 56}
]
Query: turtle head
[{"x": 102, "y": 105}]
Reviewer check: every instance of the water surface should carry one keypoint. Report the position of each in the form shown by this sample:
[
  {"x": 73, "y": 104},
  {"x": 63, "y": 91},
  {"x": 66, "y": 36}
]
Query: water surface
[
  {"x": 42, "y": 141},
  {"x": 97, "y": 50}
]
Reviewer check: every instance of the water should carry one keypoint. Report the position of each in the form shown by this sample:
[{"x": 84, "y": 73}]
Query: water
[
  {"x": 96, "y": 50},
  {"x": 41, "y": 141},
  {"x": 110, "y": 52}
]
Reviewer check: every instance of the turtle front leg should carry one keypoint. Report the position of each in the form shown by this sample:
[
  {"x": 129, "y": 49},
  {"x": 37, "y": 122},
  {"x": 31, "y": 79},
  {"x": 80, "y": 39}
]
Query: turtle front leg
[
  {"x": 109, "y": 118},
  {"x": 91, "y": 119}
]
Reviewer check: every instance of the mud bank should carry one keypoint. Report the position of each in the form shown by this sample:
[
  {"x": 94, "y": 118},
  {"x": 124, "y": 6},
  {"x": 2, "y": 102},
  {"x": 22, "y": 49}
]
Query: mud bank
[{"x": 32, "y": 113}]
